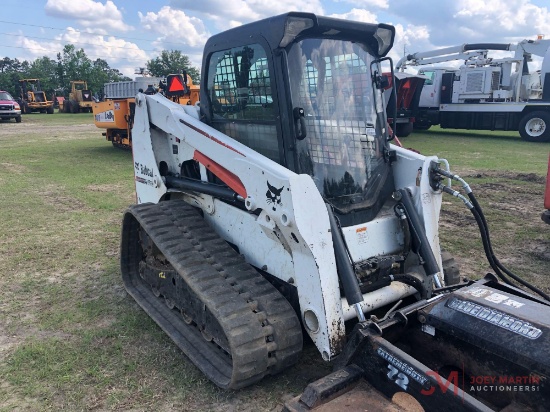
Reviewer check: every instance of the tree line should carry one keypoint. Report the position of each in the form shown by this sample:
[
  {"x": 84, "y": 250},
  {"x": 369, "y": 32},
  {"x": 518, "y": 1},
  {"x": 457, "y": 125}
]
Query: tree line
[{"x": 73, "y": 64}]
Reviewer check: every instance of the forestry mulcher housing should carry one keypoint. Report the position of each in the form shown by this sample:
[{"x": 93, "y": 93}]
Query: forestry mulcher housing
[{"x": 278, "y": 207}]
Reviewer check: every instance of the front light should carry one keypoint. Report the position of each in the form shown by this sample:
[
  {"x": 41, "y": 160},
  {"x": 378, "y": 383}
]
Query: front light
[
  {"x": 384, "y": 37},
  {"x": 16, "y": 106},
  {"x": 293, "y": 27}
]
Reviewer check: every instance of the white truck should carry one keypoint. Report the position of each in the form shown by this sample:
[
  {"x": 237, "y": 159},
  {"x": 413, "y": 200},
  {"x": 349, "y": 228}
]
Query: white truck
[{"x": 486, "y": 93}]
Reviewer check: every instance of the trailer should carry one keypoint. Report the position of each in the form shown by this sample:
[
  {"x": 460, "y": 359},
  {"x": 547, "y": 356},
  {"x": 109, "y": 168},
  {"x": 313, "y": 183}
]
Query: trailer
[
  {"x": 408, "y": 89},
  {"x": 116, "y": 113}
]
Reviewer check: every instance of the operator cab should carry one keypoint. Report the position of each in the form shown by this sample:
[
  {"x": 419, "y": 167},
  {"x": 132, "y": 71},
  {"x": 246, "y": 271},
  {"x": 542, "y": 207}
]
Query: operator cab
[{"x": 305, "y": 91}]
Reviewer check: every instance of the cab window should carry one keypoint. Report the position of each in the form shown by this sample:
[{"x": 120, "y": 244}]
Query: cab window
[
  {"x": 430, "y": 77},
  {"x": 240, "y": 93}
]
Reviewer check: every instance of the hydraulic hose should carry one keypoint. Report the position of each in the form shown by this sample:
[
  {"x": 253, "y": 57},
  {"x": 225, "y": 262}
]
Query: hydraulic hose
[
  {"x": 477, "y": 207},
  {"x": 476, "y": 210},
  {"x": 485, "y": 240},
  {"x": 199, "y": 186},
  {"x": 473, "y": 205},
  {"x": 411, "y": 281},
  {"x": 403, "y": 222}
]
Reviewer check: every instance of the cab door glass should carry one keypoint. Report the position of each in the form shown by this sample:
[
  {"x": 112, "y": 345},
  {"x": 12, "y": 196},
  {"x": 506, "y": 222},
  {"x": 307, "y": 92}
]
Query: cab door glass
[
  {"x": 240, "y": 92},
  {"x": 331, "y": 84}
]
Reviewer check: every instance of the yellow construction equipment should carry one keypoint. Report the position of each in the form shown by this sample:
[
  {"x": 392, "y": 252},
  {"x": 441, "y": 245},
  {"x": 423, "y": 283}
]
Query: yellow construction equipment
[
  {"x": 80, "y": 99},
  {"x": 33, "y": 98}
]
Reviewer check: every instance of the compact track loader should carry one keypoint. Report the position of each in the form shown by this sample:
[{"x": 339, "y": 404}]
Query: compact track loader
[{"x": 279, "y": 208}]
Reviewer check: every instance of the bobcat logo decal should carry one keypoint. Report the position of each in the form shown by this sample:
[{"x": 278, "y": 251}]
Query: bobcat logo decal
[{"x": 274, "y": 196}]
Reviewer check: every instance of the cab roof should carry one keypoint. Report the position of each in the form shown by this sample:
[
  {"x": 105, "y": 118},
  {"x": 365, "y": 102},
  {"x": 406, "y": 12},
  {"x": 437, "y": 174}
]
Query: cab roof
[{"x": 281, "y": 30}]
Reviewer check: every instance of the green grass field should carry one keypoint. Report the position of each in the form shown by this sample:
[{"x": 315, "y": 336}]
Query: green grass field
[
  {"x": 70, "y": 336},
  {"x": 478, "y": 150},
  {"x": 508, "y": 179}
]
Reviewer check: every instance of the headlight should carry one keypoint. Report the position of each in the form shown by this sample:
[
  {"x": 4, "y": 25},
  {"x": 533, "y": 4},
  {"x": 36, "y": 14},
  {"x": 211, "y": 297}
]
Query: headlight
[
  {"x": 16, "y": 106},
  {"x": 293, "y": 27},
  {"x": 384, "y": 35}
]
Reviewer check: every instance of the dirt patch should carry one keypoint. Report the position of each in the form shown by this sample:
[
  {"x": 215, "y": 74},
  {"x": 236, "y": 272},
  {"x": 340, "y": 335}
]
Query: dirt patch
[
  {"x": 540, "y": 250},
  {"x": 9, "y": 340},
  {"x": 111, "y": 188},
  {"x": 33, "y": 131},
  {"x": 526, "y": 177},
  {"x": 14, "y": 168},
  {"x": 54, "y": 196}
]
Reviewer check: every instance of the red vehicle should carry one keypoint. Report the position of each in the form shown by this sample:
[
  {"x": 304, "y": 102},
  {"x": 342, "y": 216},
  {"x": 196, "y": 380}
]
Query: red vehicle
[
  {"x": 408, "y": 88},
  {"x": 546, "y": 214},
  {"x": 9, "y": 108}
]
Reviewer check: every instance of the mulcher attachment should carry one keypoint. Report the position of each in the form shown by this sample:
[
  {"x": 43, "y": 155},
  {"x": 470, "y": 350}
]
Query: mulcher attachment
[{"x": 483, "y": 347}]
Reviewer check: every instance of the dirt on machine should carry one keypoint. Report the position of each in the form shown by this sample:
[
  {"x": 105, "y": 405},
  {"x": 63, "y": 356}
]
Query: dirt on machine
[
  {"x": 279, "y": 213},
  {"x": 116, "y": 113},
  {"x": 32, "y": 98}
]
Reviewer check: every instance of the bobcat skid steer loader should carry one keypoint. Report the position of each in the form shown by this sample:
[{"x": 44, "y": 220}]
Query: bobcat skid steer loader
[{"x": 278, "y": 208}]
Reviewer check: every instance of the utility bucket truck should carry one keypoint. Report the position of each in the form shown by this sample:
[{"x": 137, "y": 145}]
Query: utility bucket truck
[
  {"x": 486, "y": 93},
  {"x": 278, "y": 207}
]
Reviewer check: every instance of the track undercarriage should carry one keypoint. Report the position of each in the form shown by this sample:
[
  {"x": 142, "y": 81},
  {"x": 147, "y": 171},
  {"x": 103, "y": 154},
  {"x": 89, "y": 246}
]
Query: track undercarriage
[{"x": 231, "y": 322}]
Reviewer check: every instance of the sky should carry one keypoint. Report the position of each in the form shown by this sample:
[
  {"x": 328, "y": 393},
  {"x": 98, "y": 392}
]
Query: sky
[{"x": 128, "y": 33}]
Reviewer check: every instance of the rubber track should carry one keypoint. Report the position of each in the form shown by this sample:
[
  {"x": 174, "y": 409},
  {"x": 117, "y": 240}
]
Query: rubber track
[
  {"x": 451, "y": 271},
  {"x": 262, "y": 329}
]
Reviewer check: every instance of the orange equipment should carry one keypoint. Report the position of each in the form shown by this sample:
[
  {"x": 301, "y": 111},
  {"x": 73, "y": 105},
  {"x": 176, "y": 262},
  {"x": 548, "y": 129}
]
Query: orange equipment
[{"x": 116, "y": 114}]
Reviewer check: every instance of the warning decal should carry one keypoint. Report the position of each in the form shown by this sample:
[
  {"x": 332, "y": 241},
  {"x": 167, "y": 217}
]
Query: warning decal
[{"x": 362, "y": 235}]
